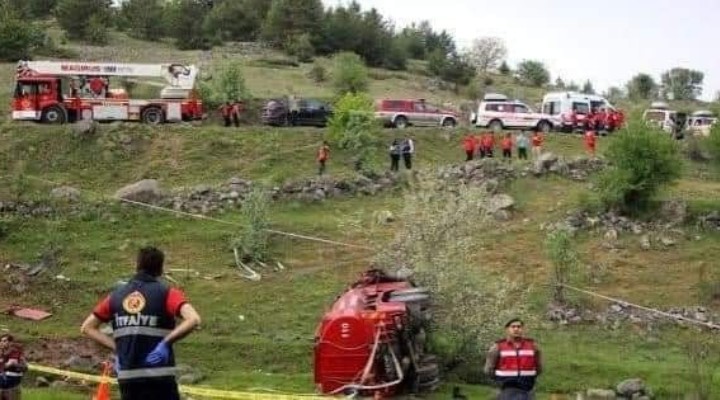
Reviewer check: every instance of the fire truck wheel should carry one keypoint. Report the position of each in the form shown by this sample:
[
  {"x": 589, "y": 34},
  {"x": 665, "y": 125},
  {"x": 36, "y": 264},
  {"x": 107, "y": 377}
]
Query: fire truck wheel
[
  {"x": 53, "y": 115},
  {"x": 153, "y": 116}
]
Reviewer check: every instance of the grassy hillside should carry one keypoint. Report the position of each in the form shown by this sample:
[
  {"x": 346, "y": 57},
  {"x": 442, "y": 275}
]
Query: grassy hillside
[
  {"x": 270, "y": 345},
  {"x": 259, "y": 334}
]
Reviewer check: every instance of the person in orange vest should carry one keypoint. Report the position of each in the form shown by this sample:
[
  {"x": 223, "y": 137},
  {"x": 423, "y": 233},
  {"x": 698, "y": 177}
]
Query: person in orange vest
[
  {"x": 226, "y": 112},
  {"x": 507, "y": 144},
  {"x": 323, "y": 155},
  {"x": 487, "y": 143},
  {"x": 590, "y": 141},
  {"x": 537, "y": 143},
  {"x": 470, "y": 145},
  {"x": 514, "y": 363}
]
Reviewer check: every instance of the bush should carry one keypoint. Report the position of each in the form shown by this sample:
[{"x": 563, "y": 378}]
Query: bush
[
  {"x": 437, "y": 244},
  {"x": 253, "y": 239},
  {"x": 96, "y": 32},
  {"x": 350, "y": 75},
  {"x": 644, "y": 160},
  {"x": 301, "y": 47},
  {"x": 353, "y": 127},
  {"x": 318, "y": 73},
  {"x": 226, "y": 83},
  {"x": 18, "y": 38}
]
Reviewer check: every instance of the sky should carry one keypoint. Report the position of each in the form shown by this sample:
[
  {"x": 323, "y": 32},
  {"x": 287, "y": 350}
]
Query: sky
[{"x": 605, "y": 41}]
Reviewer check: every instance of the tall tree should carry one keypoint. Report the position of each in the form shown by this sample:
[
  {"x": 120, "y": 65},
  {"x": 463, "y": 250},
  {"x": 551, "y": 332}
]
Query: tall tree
[
  {"x": 140, "y": 18},
  {"x": 559, "y": 83},
  {"x": 18, "y": 38},
  {"x": 74, "y": 16},
  {"x": 588, "y": 87},
  {"x": 486, "y": 53},
  {"x": 642, "y": 87},
  {"x": 185, "y": 23},
  {"x": 682, "y": 83},
  {"x": 289, "y": 18},
  {"x": 239, "y": 20}
]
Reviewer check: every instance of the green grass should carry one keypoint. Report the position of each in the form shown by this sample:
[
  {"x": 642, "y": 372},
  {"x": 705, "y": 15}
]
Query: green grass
[{"x": 271, "y": 345}]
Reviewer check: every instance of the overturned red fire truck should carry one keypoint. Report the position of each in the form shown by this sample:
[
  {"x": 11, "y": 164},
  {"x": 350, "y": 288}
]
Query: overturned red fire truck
[
  {"x": 57, "y": 92},
  {"x": 372, "y": 341}
]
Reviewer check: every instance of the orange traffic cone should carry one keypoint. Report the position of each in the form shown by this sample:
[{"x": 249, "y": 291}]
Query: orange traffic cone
[{"x": 103, "y": 390}]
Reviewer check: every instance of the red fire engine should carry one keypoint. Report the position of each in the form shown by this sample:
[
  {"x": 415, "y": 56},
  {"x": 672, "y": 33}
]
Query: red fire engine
[{"x": 67, "y": 91}]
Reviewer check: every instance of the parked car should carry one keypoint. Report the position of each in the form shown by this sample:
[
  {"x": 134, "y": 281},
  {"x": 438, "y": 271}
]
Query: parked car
[
  {"x": 671, "y": 121},
  {"x": 497, "y": 112},
  {"x": 296, "y": 112},
  {"x": 404, "y": 113}
]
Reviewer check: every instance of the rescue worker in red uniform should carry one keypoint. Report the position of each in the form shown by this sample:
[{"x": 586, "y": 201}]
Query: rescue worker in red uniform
[
  {"x": 237, "y": 108},
  {"x": 590, "y": 142},
  {"x": 507, "y": 145},
  {"x": 470, "y": 144},
  {"x": 323, "y": 154},
  {"x": 487, "y": 144},
  {"x": 514, "y": 362},
  {"x": 226, "y": 112},
  {"x": 143, "y": 315}
]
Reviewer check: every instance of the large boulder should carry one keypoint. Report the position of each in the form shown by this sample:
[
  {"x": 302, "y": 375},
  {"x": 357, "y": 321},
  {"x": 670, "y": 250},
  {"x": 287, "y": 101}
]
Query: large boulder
[
  {"x": 631, "y": 387},
  {"x": 144, "y": 191},
  {"x": 545, "y": 163},
  {"x": 498, "y": 202}
]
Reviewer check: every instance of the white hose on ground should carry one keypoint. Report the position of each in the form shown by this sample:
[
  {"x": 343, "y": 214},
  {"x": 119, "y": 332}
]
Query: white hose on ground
[
  {"x": 360, "y": 386},
  {"x": 249, "y": 272}
]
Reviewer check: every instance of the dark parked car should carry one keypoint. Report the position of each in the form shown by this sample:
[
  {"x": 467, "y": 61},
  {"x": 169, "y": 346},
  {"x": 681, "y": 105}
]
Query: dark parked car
[{"x": 305, "y": 112}]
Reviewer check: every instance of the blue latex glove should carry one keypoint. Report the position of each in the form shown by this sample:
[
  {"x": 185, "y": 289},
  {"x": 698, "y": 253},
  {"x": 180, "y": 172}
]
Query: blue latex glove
[
  {"x": 159, "y": 356},
  {"x": 116, "y": 365}
]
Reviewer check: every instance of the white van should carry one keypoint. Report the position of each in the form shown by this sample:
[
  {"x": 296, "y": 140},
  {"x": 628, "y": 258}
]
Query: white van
[
  {"x": 497, "y": 112},
  {"x": 701, "y": 122},
  {"x": 662, "y": 116},
  {"x": 561, "y": 105}
]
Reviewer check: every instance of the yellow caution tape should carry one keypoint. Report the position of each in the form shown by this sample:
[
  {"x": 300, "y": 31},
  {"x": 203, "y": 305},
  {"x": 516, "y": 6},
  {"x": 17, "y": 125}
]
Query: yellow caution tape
[{"x": 192, "y": 390}]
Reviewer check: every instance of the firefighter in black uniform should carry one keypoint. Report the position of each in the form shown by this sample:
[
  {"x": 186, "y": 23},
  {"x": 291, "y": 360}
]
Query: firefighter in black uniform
[{"x": 143, "y": 313}]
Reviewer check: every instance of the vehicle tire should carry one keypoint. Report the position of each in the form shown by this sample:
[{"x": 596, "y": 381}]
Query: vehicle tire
[
  {"x": 427, "y": 372},
  {"x": 53, "y": 115},
  {"x": 401, "y": 122},
  {"x": 544, "y": 127},
  {"x": 496, "y": 126},
  {"x": 153, "y": 116},
  {"x": 449, "y": 123}
]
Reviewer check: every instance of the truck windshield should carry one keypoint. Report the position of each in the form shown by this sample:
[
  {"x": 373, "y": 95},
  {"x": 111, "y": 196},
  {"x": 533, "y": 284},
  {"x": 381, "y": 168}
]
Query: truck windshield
[
  {"x": 23, "y": 89},
  {"x": 655, "y": 116},
  {"x": 581, "y": 108}
]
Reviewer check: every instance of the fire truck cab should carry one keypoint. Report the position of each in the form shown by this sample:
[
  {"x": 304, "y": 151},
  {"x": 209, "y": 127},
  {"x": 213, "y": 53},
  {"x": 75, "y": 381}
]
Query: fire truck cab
[{"x": 66, "y": 91}]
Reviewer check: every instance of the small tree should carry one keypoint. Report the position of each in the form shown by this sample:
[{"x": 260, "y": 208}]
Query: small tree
[
  {"x": 350, "y": 75},
  {"x": 564, "y": 259},
  {"x": 533, "y": 73},
  {"x": 317, "y": 73},
  {"x": 644, "y": 160},
  {"x": 588, "y": 88},
  {"x": 486, "y": 53},
  {"x": 225, "y": 83},
  {"x": 504, "y": 68},
  {"x": 74, "y": 16},
  {"x": 682, "y": 84},
  {"x": 301, "y": 47},
  {"x": 253, "y": 238},
  {"x": 97, "y": 32},
  {"x": 437, "y": 244},
  {"x": 353, "y": 127},
  {"x": 642, "y": 87}
]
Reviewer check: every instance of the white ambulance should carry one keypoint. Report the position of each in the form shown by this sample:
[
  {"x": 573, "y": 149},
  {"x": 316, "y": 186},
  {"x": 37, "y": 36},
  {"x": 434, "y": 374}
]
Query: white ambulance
[{"x": 561, "y": 105}]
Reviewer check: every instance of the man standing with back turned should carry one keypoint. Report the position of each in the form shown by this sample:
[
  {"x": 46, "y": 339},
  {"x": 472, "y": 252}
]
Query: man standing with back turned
[
  {"x": 514, "y": 362},
  {"x": 143, "y": 313}
]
